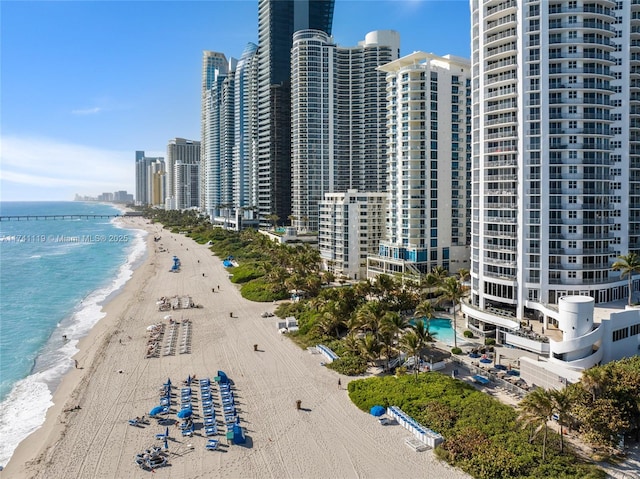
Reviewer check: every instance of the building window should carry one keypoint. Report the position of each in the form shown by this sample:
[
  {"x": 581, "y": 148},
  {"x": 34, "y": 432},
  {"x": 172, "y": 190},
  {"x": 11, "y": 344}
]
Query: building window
[{"x": 619, "y": 334}]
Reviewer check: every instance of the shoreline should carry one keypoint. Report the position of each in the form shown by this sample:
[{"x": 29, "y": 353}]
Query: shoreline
[
  {"x": 329, "y": 436},
  {"x": 69, "y": 386}
]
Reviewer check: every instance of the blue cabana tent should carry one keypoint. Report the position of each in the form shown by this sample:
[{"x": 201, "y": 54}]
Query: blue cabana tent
[{"x": 238, "y": 434}]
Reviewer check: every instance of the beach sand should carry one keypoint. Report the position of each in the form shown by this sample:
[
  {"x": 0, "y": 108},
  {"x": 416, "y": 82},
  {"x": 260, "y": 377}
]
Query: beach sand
[{"x": 328, "y": 437}]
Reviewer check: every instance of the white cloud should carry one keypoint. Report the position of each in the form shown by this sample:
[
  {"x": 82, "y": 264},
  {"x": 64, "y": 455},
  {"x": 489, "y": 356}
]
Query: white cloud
[
  {"x": 36, "y": 163},
  {"x": 87, "y": 111}
]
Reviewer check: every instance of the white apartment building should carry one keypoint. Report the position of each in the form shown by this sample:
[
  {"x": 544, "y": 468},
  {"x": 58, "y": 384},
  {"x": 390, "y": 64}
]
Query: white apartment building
[
  {"x": 338, "y": 107},
  {"x": 427, "y": 133},
  {"x": 555, "y": 169},
  {"x": 214, "y": 67},
  {"x": 351, "y": 225},
  {"x": 183, "y": 161}
]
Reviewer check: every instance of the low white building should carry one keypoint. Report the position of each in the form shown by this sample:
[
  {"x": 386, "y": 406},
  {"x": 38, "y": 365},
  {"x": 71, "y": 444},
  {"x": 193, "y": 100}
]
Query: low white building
[
  {"x": 351, "y": 226},
  {"x": 584, "y": 342}
]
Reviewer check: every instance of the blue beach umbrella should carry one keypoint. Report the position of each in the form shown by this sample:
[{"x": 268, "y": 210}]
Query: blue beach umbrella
[
  {"x": 166, "y": 443},
  {"x": 184, "y": 413},
  {"x": 156, "y": 410},
  {"x": 377, "y": 411}
]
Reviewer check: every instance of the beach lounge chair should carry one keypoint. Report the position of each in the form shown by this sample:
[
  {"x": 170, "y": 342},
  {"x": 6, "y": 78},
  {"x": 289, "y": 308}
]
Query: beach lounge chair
[
  {"x": 212, "y": 444},
  {"x": 211, "y": 430},
  {"x": 188, "y": 432},
  {"x": 209, "y": 421},
  {"x": 134, "y": 422}
]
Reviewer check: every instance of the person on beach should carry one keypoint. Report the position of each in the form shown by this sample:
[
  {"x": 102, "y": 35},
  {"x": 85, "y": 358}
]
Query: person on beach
[
  {"x": 76, "y": 363},
  {"x": 339, "y": 384}
]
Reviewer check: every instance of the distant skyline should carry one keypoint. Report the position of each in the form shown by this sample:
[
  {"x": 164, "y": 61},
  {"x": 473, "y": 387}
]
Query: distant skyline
[{"x": 87, "y": 83}]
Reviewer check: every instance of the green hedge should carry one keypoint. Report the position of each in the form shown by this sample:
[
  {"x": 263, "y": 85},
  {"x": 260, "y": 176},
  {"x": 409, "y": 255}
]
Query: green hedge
[{"x": 482, "y": 435}]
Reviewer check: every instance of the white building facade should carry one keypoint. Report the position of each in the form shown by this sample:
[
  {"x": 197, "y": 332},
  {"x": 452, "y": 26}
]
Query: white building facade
[
  {"x": 183, "y": 161},
  {"x": 351, "y": 225},
  {"x": 338, "y": 109},
  {"x": 427, "y": 133},
  {"x": 556, "y": 158}
]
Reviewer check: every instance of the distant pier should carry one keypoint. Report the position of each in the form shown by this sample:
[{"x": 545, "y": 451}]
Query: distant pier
[{"x": 56, "y": 217}]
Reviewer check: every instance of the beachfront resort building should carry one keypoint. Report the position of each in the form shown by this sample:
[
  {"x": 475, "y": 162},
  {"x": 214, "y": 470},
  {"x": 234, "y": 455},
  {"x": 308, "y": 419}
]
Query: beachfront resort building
[
  {"x": 338, "y": 111},
  {"x": 555, "y": 171},
  {"x": 150, "y": 186},
  {"x": 351, "y": 225},
  {"x": 277, "y": 22},
  {"x": 428, "y": 127},
  {"x": 183, "y": 165}
]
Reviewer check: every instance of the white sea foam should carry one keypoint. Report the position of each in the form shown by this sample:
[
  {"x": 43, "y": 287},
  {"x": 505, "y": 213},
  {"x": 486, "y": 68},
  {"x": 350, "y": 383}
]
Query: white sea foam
[{"x": 24, "y": 409}]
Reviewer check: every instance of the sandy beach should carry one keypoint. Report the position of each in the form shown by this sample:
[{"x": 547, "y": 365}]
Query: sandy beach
[{"x": 328, "y": 437}]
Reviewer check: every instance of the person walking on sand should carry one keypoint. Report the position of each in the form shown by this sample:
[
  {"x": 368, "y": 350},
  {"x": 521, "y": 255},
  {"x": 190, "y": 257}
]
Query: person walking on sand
[{"x": 339, "y": 384}]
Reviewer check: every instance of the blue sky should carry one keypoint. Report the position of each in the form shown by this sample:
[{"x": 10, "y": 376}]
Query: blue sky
[{"x": 86, "y": 83}]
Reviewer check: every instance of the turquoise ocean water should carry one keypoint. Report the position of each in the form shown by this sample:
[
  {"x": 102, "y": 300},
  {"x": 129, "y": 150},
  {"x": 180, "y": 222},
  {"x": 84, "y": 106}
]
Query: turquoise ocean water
[{"x": 55, "y": 275}]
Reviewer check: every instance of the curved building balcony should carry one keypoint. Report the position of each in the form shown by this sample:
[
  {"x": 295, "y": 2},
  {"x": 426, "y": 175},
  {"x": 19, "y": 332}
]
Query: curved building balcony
[
  {"x": 580, "y": 364},
  {"x": 501, "y": 37},
  {"x": 490, "y": 317}
]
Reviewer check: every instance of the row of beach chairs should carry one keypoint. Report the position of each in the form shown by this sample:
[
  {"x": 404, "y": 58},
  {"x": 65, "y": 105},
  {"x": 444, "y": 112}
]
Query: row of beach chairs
[
  {"x": 154, "y": 342},
  {"x": 208, "y": 414},
  {"x": 185, "y": 343},
  {"x": 171, "y": 340}
]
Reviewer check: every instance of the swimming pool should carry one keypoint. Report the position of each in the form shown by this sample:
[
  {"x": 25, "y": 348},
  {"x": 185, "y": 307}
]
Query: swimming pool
[{"x": 442, "y": 330}]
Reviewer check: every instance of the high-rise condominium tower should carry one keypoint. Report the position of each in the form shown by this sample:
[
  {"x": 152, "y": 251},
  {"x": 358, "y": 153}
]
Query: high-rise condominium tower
[
  {"x": 214, "y": 67},
  {"x": 428, "y": 123},
  {"x": 338, "y": 118},
  {"x": 277, "y": 22},
  {"x": 183, "y": 164},
  {"x": 148, "y": 190},
  {"x": 556, "y": 154}
]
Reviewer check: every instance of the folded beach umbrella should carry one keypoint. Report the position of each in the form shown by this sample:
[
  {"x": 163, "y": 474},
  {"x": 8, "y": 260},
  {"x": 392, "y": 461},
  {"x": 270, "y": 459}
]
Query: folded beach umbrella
[
  {"x": 166, "y": 443},
  {"x": 156, "y": 410},
  {"x": 377, "y": 411}
]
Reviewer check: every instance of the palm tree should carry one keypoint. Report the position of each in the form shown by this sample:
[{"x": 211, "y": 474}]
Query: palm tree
[
  {"x": 593, "y": 380},
  {"x": 395, "y": 323},
  {"x": 412, "y": 345},
  {"x": 463, "y": 274},
  {"x": 562, "y": 403},
  {"x": 452, "y": 290},
  {"x": 425, "y": 310},
  {"x": 291, "y": 219},
  {"x": 628, "y": 265},
  {"x": 536, "y": 410},
  {"x": 421, "y": 328},
  {"x": 370, "y": 347},
  {"x": 274, "y": 220},
  {"x": 369, "y": 317}
]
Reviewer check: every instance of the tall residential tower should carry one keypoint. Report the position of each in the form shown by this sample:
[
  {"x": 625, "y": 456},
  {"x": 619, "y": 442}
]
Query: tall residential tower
[
  {"x": 428, "y": 128},
  {"x": 556, "y": 155},
  {"x": 278, "y": 20},
  {"x": 338, "y": 120}
]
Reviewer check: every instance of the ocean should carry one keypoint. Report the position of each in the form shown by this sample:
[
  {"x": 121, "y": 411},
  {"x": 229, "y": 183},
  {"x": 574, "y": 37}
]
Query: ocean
[{"x": 55, "y": 275}]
